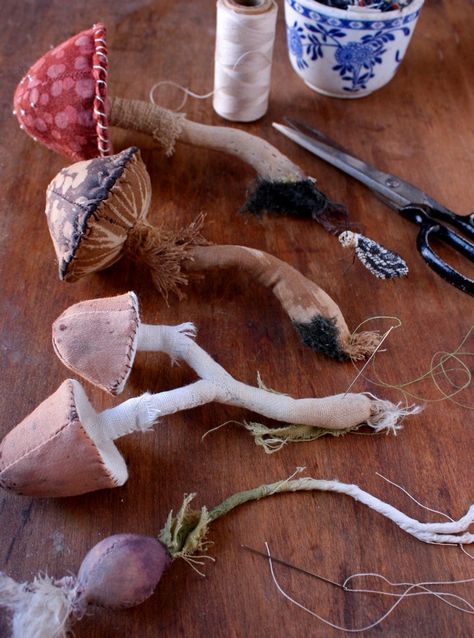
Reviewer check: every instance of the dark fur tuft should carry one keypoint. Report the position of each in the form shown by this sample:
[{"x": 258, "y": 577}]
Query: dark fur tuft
[
  {"x": 297, "y": 199},
  {"x": 321, "y": 334}
]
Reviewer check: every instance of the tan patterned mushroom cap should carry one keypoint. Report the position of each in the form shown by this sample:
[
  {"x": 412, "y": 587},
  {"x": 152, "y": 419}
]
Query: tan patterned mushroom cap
[
  {"x": 91, "y": 206},
  {"x": 97, "y": 339},
  {"x": 52, "y": 451}
]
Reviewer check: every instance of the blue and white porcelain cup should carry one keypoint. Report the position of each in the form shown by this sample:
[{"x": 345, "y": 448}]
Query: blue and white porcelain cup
[{"x": 347, "y": 53}]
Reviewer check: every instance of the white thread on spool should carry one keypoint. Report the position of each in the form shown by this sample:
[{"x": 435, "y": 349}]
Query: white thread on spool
[{"x": 245, "y": 35}]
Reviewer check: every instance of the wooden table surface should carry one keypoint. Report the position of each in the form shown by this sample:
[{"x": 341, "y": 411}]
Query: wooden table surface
[{"x": 420, "y": 127}]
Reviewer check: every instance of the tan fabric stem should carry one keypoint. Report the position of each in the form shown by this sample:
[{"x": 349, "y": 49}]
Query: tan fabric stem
[
  {"x": 301, "y": 298},
  {"x": 172, "y": 255},
  {"x": 167, "y": 127}
]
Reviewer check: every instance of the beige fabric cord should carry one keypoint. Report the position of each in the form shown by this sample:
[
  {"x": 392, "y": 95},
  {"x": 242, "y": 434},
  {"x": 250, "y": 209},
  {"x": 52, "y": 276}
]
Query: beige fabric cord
[
  {"x": 167, "y": 127},
  {"x": 438, "y": 532},
  {"x": 185, "y": 533}
]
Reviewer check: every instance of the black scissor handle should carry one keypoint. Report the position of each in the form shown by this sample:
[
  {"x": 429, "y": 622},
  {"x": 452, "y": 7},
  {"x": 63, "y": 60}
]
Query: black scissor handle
[
  {"x": 452, "y": 276},
  {"x": 464, "y": 223}
]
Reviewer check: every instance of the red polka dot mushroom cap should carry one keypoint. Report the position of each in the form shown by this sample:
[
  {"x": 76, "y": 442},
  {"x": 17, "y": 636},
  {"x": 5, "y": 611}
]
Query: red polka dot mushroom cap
[{"x": 62, "y": 100}]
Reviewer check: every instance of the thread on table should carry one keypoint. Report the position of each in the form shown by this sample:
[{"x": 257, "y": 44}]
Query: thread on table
[
  {"x": 411, "y": 589},
  {"x": 187, "y": 92},
  {"x": 444, "y": 366}
]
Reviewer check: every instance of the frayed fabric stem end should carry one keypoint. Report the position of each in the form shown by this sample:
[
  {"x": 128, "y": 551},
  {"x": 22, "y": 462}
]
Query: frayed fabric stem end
[
  {"x": 163, "y": 251},
  {"x": 41, "y": 609},
  {"x": 274, "y": 439},
  {"x": 180, "y": 340},
  {"x": 298, "y": 199},
  {"x": 185, "y": 534},
  {"x": 388, "y": 417},
  {"x": 322, "y": 334},
  {"x": 362, "y": 344},
  {"x": 169, "y": 130}
]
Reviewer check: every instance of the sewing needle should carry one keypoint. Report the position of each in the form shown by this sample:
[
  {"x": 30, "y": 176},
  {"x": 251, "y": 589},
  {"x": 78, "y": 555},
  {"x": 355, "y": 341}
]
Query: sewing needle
[
  {"x": 287, "y": 564},
  {"x": 370, "y": 358}
]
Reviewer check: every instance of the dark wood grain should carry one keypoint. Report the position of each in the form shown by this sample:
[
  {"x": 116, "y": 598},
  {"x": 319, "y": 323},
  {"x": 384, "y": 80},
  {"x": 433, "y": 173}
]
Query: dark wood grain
[{"x": 420, "y": 127}]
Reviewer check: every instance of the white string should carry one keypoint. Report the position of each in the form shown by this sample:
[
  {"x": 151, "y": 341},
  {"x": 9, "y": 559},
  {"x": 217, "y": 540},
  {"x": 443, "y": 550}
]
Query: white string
[
  {"x": 186, "y": 92},
  {"x": 443, "y": 596},
  {"x": 406, "y": 594},
  {"x": 243, "y": 62}
]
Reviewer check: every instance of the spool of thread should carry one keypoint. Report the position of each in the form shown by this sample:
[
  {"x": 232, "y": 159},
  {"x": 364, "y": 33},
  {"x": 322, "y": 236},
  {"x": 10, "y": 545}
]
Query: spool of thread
[{"x": 245, "y": 35}]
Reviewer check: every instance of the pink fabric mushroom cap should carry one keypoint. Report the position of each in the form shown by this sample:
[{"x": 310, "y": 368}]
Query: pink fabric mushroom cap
[
  {"x": 54, "y": 451},
  {"x": 102, "y": 347},
  {"x": 62, "y": 100}
]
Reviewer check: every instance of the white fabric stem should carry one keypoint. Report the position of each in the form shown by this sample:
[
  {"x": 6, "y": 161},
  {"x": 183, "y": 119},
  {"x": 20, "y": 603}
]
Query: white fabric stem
[
  {"x": 336, "y": 412},
  {"x": 141, "y": 413},
  {"x": 178, "y": 343}
]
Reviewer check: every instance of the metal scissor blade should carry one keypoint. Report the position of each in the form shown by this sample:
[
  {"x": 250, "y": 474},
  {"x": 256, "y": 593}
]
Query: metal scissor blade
[{"x": 391, "y": 189}]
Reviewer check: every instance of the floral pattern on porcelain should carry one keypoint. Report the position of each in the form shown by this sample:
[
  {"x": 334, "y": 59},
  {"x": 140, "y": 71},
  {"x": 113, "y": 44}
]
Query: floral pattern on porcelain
[{"x": 348, "y": 48}]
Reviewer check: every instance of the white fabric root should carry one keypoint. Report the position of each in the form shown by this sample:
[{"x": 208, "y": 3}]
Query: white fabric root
[
  {"x": 442, "y": 532},
  {"x": 186, "y": 532},
  {"x": 40, "y": 609},
  {"x": 338, "y": 412}
]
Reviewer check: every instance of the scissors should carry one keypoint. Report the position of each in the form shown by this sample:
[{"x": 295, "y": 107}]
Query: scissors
[{"x": 408, "y": 200}]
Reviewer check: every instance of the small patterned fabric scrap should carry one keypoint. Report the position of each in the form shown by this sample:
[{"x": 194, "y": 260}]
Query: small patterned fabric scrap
[
  {"x": 381, "y": 262},
  {"x": 61, "y": 101}
]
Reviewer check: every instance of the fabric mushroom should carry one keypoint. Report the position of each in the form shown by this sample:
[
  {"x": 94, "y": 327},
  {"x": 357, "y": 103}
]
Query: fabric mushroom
[
  {"x": 98, "y": 339},
  {"x": 123, "y": 570},
  {"x": 62, "y": 102},
  {"x": 97, "y": 211},
  {"x": 64, "y": 447}
]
